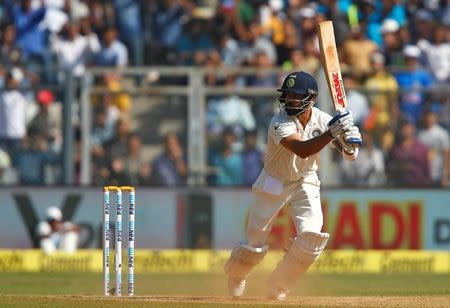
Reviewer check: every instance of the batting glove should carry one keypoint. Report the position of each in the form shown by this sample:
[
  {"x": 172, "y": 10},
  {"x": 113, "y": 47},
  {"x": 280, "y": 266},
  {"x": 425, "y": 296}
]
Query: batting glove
[
  {"x": 350, "y": 140},
  {"x": 340, "y": 123},
  {"x": 352, "y": 136}
]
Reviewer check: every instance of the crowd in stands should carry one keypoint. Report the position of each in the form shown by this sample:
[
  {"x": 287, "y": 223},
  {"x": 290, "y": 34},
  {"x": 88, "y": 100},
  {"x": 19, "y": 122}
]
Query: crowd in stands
[{"x": 395, "y": 55}]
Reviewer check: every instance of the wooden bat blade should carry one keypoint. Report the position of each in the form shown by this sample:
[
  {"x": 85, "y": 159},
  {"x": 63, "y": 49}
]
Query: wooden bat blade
[{"x": 330, "y": 63}]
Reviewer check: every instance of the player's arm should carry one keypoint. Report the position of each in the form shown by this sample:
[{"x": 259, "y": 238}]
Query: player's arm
[
  {"x": 306, "y": 148},
  {"x": 338, "y": 125}
]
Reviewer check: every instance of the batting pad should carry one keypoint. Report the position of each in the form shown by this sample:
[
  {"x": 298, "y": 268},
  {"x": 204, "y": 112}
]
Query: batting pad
[
  {"x": 305, "y": 249},
  {"x": 309, "y": 245},
  {"x": 243, "y": 258}
]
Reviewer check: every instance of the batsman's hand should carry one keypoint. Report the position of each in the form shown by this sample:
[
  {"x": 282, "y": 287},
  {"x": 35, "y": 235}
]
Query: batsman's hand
[
  {"x": 351, "y": 139},
  {"x": 340, "y": 123}
]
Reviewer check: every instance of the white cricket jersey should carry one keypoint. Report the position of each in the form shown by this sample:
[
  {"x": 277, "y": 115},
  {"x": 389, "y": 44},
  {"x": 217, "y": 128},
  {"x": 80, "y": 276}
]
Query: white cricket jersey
[{"x": 282, "y": 164}]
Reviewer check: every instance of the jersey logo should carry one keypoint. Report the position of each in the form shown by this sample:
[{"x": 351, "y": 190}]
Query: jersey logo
[
  {"x": 277, "y": 125},
  {"x": 316, "y": 133}
]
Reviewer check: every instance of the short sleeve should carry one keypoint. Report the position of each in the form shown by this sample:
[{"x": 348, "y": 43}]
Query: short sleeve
[{"x": 281, "y": 128}]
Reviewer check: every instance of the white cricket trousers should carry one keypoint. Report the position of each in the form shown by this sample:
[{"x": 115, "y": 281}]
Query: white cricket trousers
[{"x": 302, "y": 202}]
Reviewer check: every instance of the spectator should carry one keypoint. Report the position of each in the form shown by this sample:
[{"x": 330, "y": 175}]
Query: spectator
[
  {"x": 11, "y": 57},
  {"x": 382, "y": 91},
  {"x": 367, "y": 170},
  {"x": 31, "y": 38},
  {"x": 387, "y": 9},
  {"x": 10, "y": 54},
  {"x": 394, "y": 10},
  {"x": 102, "y": 131},
  {"x": 145, "y": 175},
  {"x": 312, "y": 62},
  {"x": 407, "y": 163},
  {"x": 296, "y": 61},
  {"x": 252, "y": 159},
  {"x": 117, "y": 96},
  {"x": 113, "y": 52},
  {"x": 128, "y": 16},
  {"x": 438, "y": 54},
  {"x": 365, "y": 10},
  {"x": 117, "y": 146},
  {"x": 229, "y": 50},
  {"x": 120, "y": 175},
  {"x": 227, "y": 162},
  {"x": 55, "y": 16},
  {"x": 290, "y": 43},
  {"x": 229, "y": 111},
  {"x": 134, "y": 159},
  {"x": 422, "y": 25},
  {"x": 101, "y": 15},
  {"x": 47, "y": 122},
  {"x": 194, "y": 39},
  {"x": 74, "y": 50},
  {"x": 263, "y": 79},
  {"x": 308, "y": 25},
  {"x": 169, "y": 168},
  {"x": 102, "y": 175},
  {"x": 76, "y": 9},
  {"x": 109, "y": 104},
  {"x": 392, "y": 42},
  {"x": 414, "y": 81},
  {"x": 294, "y": 10},
  {"x": 357, "y": 102},
  {"x": 167, "y": 31},
  {"x": 272, "y": 22},
  {"x": 32, "y": 160},
  {"x": 262, "y": 108},
  {"x": 56, "y": 234},
  {"x": 12, "y": 113},
  {"x": 339, "y": 13},
  {"x": 257, "y": 42},
  {"x": 101, "y": 134},
  {"x": 436, "y": 139},
  {"x": 214, "y": 62},
  {"x": 357, "y": 49}
]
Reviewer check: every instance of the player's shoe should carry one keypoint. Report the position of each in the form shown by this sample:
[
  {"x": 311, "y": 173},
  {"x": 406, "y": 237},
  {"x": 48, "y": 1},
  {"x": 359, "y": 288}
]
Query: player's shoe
[
  {"x": 277, "y": 294},
  {"x": 236, "y": 286}
]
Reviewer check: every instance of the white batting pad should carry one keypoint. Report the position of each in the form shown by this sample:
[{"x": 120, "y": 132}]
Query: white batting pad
[
  {"x": 309, "y": 245},
  {"x": 305, "y": 249},
  {"x": 243, "y": 258}
]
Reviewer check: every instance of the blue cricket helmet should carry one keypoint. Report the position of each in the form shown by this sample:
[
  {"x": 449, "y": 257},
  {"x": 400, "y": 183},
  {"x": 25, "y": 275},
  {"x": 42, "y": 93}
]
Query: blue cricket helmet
[{"x": 299, "y": 83}]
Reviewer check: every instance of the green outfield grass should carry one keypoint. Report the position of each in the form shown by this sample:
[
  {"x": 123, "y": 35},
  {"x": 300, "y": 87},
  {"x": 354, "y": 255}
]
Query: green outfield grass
[{"x": 208, "y": 290}]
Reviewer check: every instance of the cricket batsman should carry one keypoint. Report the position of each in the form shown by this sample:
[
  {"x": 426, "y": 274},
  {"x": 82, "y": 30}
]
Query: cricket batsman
[{"x": 289, "y": 179}]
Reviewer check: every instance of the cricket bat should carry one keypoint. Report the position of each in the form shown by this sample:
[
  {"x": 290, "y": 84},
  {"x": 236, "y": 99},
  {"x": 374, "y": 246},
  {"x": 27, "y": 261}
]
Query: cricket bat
[
  {"x": 332, "y": 70},
  {"x": 331, "y": 67}
]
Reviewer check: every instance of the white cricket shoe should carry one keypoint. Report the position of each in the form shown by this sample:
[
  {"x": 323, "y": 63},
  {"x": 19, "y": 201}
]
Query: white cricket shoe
[
  {"x": 278, "y": 294},
  {"x": 236, "y": 286}
]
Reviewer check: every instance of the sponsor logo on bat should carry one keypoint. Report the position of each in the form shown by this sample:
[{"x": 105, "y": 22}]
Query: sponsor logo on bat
[{"x": 338, "y": 89}]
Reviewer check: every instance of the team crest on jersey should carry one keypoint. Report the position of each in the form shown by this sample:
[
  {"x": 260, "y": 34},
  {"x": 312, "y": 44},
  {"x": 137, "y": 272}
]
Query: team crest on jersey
[
  {"x": 316, "y": 133},
  {"x": 291, "y": 82}
]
